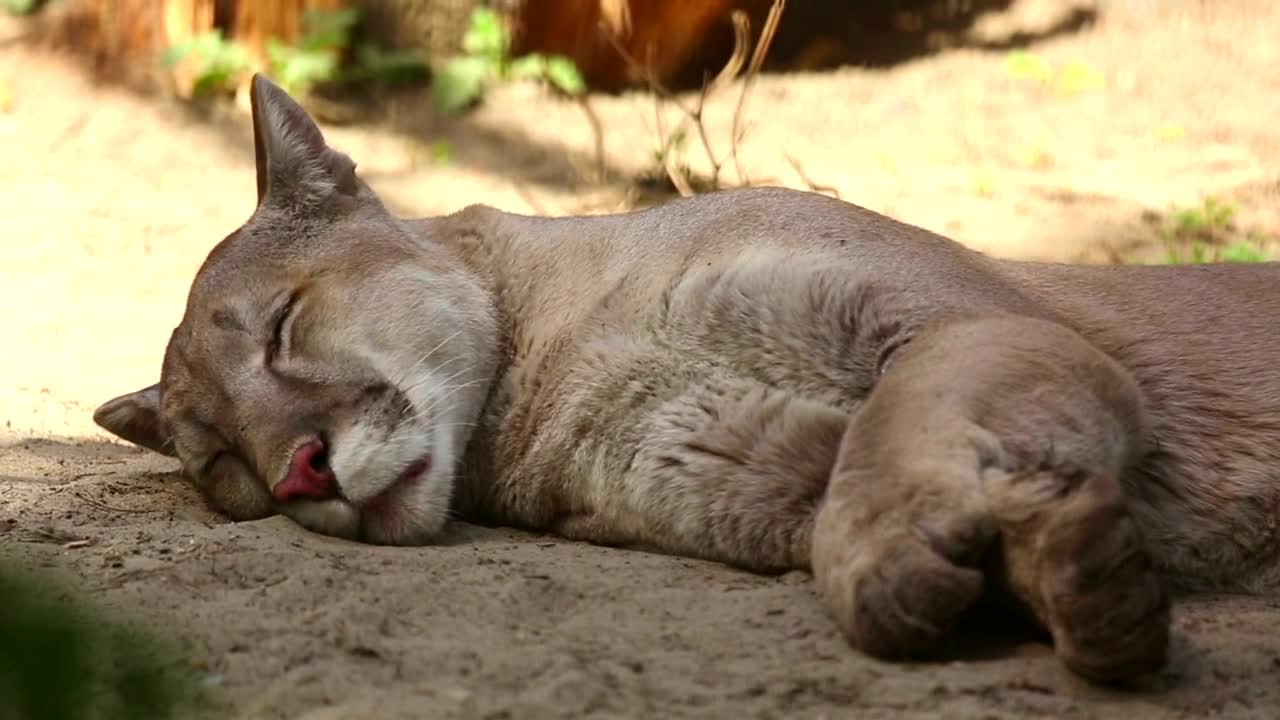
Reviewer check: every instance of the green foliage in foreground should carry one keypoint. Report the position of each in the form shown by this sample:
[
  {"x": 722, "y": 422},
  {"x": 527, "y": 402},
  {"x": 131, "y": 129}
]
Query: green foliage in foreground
[{"x": 61, "y": 659}]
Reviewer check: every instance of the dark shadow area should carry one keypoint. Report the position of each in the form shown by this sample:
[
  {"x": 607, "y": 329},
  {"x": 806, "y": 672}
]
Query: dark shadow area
[
  {"x": 991, "y": 631},
  {"x": 64, "y": 657},
  {"x": 995, "y": 631},
  {"x": 64, "y": 654},
  {"x": 505, "y": 151},
  {"x": 827, "y": 33}
]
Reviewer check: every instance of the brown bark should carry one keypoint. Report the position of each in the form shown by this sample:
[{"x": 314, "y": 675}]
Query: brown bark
[{"x": 127, "y": 37}]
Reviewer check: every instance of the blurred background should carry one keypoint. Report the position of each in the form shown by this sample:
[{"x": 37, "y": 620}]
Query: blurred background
[
  {"x": 1072, "y": 130},
  {"x": 1102, "y": 131}
]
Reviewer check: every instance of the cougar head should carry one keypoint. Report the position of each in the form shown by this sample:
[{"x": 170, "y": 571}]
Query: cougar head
[{"x": 330, "y": 362}]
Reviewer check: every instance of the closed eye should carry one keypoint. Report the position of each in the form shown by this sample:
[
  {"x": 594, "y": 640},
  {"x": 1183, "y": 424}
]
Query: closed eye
[
  {"x": 210, "y": 463},
  {"x": 889, "y": 353},
  {"x": 279, "y": 330}
]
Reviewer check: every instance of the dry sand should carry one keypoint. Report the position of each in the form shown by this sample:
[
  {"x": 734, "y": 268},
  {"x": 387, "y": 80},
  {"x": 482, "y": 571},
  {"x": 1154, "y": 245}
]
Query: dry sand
[{"x": 111, "y": 200}]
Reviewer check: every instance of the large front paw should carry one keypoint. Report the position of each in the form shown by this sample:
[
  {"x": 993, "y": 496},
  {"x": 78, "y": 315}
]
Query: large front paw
[
  {"x": 896, "y": 587},
  {"x": 1073, "y": 553}
]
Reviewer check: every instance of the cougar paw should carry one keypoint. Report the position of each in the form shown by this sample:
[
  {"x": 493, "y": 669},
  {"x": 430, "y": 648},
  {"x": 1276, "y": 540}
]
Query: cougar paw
[
  {"x": 1074, "y": 554},
  {"x": 896, "y": 596}
]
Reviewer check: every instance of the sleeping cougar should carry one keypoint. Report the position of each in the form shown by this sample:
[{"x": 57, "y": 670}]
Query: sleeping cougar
[{"x": 763, "y": 377}]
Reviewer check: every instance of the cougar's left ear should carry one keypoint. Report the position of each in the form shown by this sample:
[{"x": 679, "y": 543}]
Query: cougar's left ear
[
  {"x": 136, "y": 417},
  {"x": 295, "y": 165}
]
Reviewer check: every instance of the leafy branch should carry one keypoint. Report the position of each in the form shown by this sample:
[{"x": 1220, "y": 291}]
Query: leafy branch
[{"x": 461, "y": 81}]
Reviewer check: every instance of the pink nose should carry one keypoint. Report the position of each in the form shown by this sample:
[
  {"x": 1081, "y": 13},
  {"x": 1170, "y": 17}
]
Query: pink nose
[{"x": 309, "y": 475}]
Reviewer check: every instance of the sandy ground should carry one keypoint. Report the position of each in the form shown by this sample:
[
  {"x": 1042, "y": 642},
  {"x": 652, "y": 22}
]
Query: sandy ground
[{"x": 110, "y": 201}]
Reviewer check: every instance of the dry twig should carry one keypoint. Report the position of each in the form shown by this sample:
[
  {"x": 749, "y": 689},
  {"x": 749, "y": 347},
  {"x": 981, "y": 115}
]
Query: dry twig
[
  {"x": 695, "y": 114},
  {"x": 813, "y": 186}
]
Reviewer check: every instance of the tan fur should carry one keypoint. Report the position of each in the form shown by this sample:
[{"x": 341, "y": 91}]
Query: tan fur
[{"x": 763, "y": 377}]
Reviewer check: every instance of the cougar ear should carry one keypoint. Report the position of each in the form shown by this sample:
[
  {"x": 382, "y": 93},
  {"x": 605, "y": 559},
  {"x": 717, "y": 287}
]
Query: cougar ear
[
  {"x": 136, "y": 417},
  {"x": 295, "y": 165}
]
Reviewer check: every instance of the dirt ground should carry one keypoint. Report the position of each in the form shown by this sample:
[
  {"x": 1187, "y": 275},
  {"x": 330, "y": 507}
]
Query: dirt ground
[{"x": 110, "y": 200}]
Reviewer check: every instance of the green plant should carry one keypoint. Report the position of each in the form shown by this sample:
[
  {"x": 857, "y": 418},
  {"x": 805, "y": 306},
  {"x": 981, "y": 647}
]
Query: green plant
[
  {"x": 373, "y": 63},
  {"x": 1208, "y": 232},
  {"x": 220, "y": 62},
  {"x": 21, "y": 7},
  {"x": 1248, "y": 250},
  {"x": 1023, "y": 65},
  {"x": 1074, "y": 77},
  {"x": 673, "y": 150},
  {"x": 316, "y": 56},
  {"x": 1077, "y": 76},
  {"x": 462, "y": 80},
  {"x": 984, "y": 185},
  {"x": 1212, "y": 215},
  {"x": 441, "y": 152},
  {"x": 61, "y": 659}
]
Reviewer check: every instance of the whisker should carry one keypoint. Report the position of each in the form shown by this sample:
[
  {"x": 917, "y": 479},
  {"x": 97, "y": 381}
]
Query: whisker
[
  {"x": 424, "y": 357},
  {"x": 446, "y": 381},
  {"x": 446, "y": 427},
  {"x": 426, "y": 379},
  {"x": 442, "y": 382},
  {"x": 436, "y": 401}
]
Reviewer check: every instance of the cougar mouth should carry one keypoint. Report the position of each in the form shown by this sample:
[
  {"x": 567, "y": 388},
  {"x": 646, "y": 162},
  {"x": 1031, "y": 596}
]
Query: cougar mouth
[
  {"x": 388, "y": 498},
  {"x": 393, "y": 468}
]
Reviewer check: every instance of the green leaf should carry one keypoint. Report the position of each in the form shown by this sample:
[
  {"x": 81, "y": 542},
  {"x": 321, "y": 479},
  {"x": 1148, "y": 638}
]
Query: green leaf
[
  {"x": 277, "y": 52},
  {"x": 220, "y": 61},
  {"x": 393, "y": 66},
  {"x": 564, "y": 74},
  {"x": 1199, "y": 253},
  {"x": 459, "y": 83},
  {"x": 1219, "y": 213},
  {"x": 176, "y": 53},
  {"x": 1243, "y": 251},
  {"x": 442, "y": 152},
  {"x": 18, "y": 7},
  {"x": 1027, "y": 66},
  {"x": 207, "y": 45},
  {"x": 208, "y": 83},
  {"x": 1078, "y": 77},
  {"x": 529, "y": 67},
  {"x": 486, "y": 36},
  {"x": 302, "y": 69},
  {"x": 322, "y": 22}
]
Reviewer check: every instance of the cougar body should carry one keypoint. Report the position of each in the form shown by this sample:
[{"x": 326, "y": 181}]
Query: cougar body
[{"x": 763, "y": 377}]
